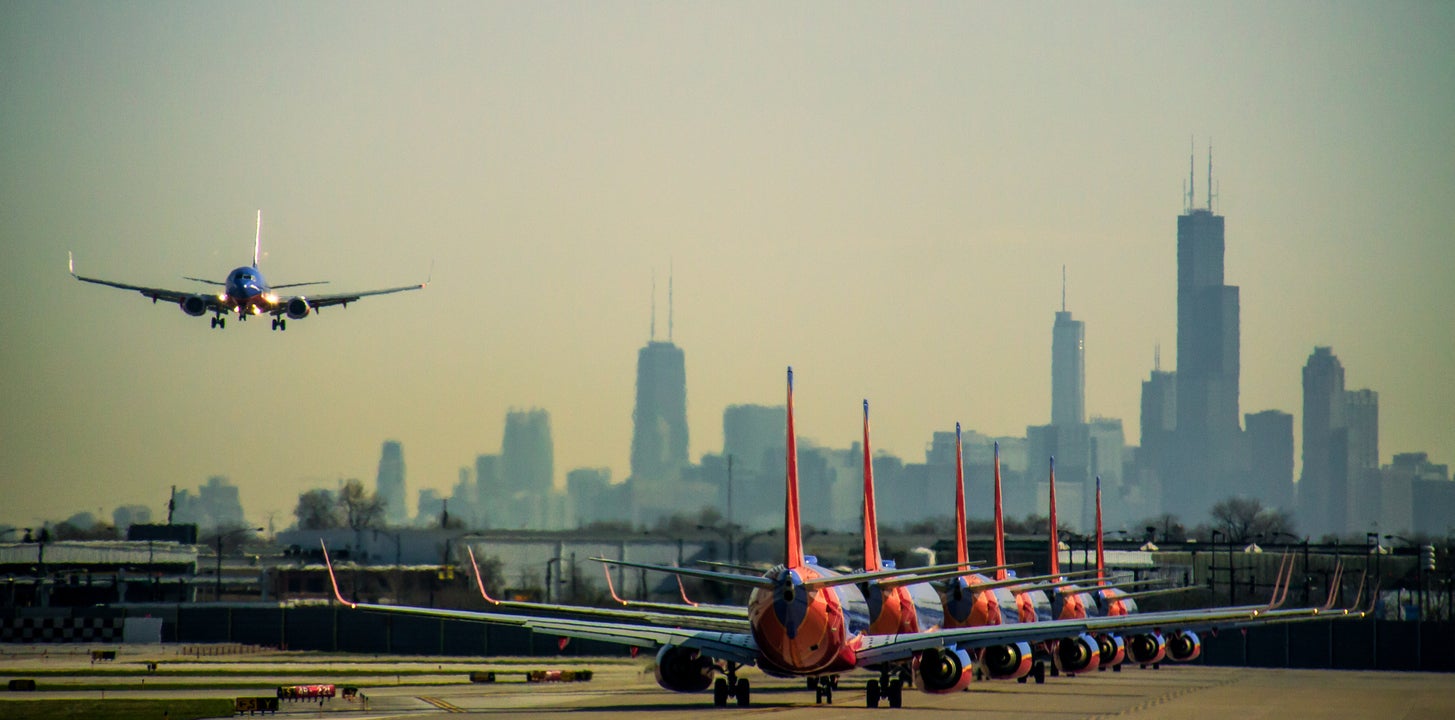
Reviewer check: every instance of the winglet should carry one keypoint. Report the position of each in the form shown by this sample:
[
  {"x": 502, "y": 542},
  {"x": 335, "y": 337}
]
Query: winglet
[
  {"x": 683, "y": 589},
  {"x": 480, "y": 581},
  {"x": 999, "y": 521},
  {"x": 331, "y": 578},
  {"x": 611, "y": 586},
  {"x": 792, "y": 531},
  {"x": 1055, "y": 541},
  {"x": 872, "y": 561},
  {"x": 961, "y": 552},
  {"x": 258, "y": 241},
  {"x": 71, "y": 263}
]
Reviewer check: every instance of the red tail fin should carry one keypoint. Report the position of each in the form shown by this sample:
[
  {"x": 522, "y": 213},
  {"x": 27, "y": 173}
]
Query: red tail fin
[
  {"x": 1055, "y": 541},
  {"x": 1100, "y": 551},
  {"x": 999, "y": 521},
  {"x": 871, "y": 520},
  {"x": 962, "y": 554},
  {"x": 792, "y": 531}
]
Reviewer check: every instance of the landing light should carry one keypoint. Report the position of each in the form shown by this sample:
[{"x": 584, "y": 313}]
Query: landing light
[{"x": 271, "y": 298}]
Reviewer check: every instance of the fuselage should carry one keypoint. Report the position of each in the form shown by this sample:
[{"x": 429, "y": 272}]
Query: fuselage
[
  {"x": 802, "y": 631},
  {"x": 965, "y": 606},
  {"x": 246, "y": 292}
]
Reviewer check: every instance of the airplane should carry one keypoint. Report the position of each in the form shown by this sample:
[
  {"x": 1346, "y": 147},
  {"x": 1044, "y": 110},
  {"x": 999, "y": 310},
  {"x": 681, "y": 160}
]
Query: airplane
[
  {"x": 244, "y": 292},
  {"x": 805, "y": 621}
]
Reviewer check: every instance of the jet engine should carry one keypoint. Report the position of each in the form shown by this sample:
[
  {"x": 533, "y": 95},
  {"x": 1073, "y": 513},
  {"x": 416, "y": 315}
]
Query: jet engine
[
  {"x": 1184, "y": 646},
  {"x": 1003, "y": 662},
  {"x": 194, "y": 305},
  {"x": 1147, "y": 649},
  {"x": 683, "y": 669},
  {"x": 944, "y": 670},
  {"x": 1113, "y": 650},
  {"x": 298, "y": 308},
  {"x": 1078, "y": 654}
]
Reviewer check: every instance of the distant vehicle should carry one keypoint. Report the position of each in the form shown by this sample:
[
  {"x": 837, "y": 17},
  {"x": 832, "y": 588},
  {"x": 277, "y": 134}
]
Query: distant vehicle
[{"x": 245, "y": 293}]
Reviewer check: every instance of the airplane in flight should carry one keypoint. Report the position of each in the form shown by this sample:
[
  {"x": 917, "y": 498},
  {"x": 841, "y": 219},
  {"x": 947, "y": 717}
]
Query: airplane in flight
[
  {"x": 244, "y": 292},
  {"x": 805, "y": 621}
]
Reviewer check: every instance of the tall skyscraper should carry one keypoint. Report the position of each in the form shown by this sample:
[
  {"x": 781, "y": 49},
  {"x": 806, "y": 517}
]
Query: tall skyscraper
[
  {"x": 389, "y": 484},
  {"x": 1208, "y": 432},
  {"x": 1068, "y": 366},
  {"x": 1363, "y": 497},
  {"x": 1325, "y": 445},
  {"x": 659, "y": 420}
]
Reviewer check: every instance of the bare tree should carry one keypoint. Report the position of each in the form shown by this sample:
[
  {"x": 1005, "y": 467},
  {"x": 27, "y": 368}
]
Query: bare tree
[
  {"x": 317, "y": 510},
  {"x": 361, "y": 508},
  {"x": 1243, "y": 519}
]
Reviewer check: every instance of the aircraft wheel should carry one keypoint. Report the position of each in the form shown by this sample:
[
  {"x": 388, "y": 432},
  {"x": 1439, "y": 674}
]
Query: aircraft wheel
[
  {"x": 1040, "y": 673},
  {"x": 871, "y": 694},
  {"x": 1116, "y": 668},
  {"x": 1021, "y": 680},
  {"x": 720, "y": 693},
  {"x": 812, "y": 683},
  {"x": 742, "y": 693},
  {"x": 896, "y": 693}
]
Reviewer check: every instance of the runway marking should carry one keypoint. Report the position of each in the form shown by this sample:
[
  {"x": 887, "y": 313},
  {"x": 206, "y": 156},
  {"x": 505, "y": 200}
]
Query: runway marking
[{"x": 441, "y": 704}]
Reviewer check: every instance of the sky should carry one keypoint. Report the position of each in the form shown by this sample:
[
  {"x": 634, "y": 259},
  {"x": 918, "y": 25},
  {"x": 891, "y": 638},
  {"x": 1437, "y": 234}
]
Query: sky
[{"x": 881, "y": 195}]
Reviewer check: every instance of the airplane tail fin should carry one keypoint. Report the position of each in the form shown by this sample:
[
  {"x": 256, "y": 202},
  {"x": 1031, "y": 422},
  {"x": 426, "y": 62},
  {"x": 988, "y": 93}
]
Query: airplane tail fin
[
  {"x": 258, "y": 240},
  {"x": 1055, "y": 541},
  {"x": 999, "y": 521},
  {"x": 331, "y": 578},
  {"x": 480, "y": 580},
  {"x": 792, "y": 531},
  {"x": 961, "y": 552},
  {"x": 1100, "y": 551},
  {"x": 871, "y": 521}
]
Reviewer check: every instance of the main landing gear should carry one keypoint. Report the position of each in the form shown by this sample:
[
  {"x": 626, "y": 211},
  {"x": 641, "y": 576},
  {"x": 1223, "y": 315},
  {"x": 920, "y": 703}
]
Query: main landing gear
[
  {"x": 1038, "y": 673},
  {"x": 884, "y": 689},
  {"x": 280, "y": 324},
  {"x": 730, "y": 687},
  {"x": 219, "y": 321},
  {"x": 823, "y": 689}
]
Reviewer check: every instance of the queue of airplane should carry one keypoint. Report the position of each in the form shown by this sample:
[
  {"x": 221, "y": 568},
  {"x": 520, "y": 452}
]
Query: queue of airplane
[{"x": 933, "y": 628}]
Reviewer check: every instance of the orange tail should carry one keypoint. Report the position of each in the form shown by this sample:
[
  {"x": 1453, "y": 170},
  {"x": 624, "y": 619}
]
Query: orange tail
[
  {"x": 999, "y": 522},
  {"x": 1100, "y": 551},
  {"x": 871, "y": 521},
  {"x": 792, "y": 531},
  {"x": 1055, "y": 541},
  {"x": 962, "y": 554}
]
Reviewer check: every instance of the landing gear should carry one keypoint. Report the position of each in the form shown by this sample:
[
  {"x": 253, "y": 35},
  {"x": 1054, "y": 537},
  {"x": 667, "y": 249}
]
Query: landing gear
[
  {"x": 824, "y": 688},
  {"x": 280, "y": 324},
  {"x": 218, "y": 321},
  {"x": 1039, "y": 673},
  {"x": 885, "y": 689},
  {"x": 730, "y": 687}
]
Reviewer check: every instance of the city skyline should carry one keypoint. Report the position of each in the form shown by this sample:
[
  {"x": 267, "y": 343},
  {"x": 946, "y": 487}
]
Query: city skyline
[{"x": 883, "y": 201}]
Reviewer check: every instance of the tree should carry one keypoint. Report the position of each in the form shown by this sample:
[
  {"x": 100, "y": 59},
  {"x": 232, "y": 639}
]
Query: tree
[
  {"x": 317, "y": 510},
  {"x": 1243, "y": 519},
  {"x": 361, "y": 509}
]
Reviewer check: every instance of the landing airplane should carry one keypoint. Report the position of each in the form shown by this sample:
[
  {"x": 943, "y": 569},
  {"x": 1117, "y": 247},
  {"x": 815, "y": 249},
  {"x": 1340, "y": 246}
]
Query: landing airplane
[{"x": 245, "y": 293}]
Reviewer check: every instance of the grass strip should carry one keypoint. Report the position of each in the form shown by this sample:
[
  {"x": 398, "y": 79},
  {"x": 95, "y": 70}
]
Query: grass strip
[{"x": 124, "y": 709}]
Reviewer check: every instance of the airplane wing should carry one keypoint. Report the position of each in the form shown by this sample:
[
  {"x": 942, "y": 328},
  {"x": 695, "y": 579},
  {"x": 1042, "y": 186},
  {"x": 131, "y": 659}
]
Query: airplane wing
[
  {"x": 321, "y": 301},
  {"x": 152, "y": 292}
]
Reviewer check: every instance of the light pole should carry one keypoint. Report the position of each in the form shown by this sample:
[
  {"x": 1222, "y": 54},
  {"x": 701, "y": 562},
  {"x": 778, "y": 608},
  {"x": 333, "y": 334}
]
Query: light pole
[
  {"x": 217, "y": 591},
  {"x": 1419, "y": 569},
  {"x": 727, "y": 533},
  {"x": 1212, "y": 563}
]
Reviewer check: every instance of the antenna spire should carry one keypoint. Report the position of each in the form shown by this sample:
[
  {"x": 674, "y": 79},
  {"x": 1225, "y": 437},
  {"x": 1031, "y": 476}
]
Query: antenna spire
[
  {"x": 653, "y": 337},
  {"x": 1191, "y": 172},
  {"x": 1063, "y": 288},
  {"x": 1157, "y": 357},
  {"x": 669, "y": 300},
  {"x": 1209, "y": 176}
]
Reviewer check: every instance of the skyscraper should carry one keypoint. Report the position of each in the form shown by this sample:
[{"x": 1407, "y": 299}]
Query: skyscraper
[
  {"x": 1208, "y": 432},
  {"x": 1270, "y": 458},
  {"x": 527, "y": 452},
  {"x": 1325, "y": 444},
  {"x": 659, "y": 421},
  {"x": 1068, "y": 366},
  {"x": 389, "y": 484},
  {"x": 1363, "y": 498}
]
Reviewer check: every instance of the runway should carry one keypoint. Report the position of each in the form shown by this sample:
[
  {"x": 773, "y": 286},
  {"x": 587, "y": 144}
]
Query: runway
[{"x": 410, "y": 687}]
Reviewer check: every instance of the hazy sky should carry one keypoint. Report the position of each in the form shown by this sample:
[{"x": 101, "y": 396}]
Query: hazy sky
[{"x": 881, "y": 195}]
